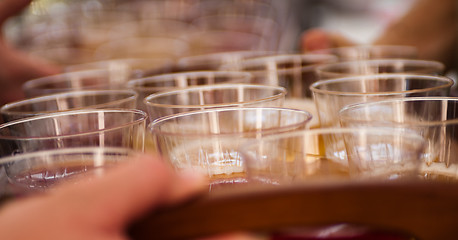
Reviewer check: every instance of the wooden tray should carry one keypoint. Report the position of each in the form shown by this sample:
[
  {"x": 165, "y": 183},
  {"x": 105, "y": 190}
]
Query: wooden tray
[{"x": 426, "y": 210}]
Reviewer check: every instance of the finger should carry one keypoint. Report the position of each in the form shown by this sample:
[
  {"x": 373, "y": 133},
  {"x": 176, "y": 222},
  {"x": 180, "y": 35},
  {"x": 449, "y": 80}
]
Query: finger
[
  {"x": 317, "y": 39},
  {"x": 127, "y": 191},
  {"x": 15, "y": 62},
  {"x": 9, "y": 8},
  {"x": 18, "y": 68},
  {"x": 185, "y": 185}
]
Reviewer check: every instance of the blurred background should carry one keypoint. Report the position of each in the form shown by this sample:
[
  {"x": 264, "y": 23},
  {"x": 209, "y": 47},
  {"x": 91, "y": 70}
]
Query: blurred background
[{"x": 73, "y": 32}]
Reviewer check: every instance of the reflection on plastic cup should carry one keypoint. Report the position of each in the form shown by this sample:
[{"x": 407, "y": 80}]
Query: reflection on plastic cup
[
  {"x": 80, "y": 128},
  {"x": 39, "y": 171},
  {"x": 434, "y": 118},
  {"x": 207, "y": 141},
  {"x": 213, "y": 96},
  {"x": 332, "y": 95},
  {"x": 75, "y": 100}
]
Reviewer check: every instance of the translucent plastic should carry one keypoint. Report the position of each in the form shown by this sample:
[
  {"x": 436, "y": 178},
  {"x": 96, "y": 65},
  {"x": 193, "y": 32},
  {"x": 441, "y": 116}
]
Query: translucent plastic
[
  {"x": 378, "y": 66},
  {"x": 68, "y": 101},
  {"x": 207, "y": 141},
  {"x": 213, "y": 96},
  {"x": 434, "y": 118},
  {"x": 334, "y": 155},
  {"x": 166, "y": 82},
  {"x": 81, "y": 128},
  {"x": 39, "y": 171},
  {"x": 332, "y": 95}
]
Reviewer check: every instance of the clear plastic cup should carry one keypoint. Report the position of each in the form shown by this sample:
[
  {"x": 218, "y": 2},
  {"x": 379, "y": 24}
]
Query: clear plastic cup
[
  {"x": 39, "y": 171},
  {"x": 207, "y": 141},
  {"x": 80, "y": 128},
  {"x": 295, "y": 72},
  {"x": 334, "y": 155},
  {"x": 434, "y": 118},
  {"x": 379, "y": 66},
  {"x": 166, "y": 82},
  {"x": 214, "y": 61},
  {"x": 132, "y": 67},
  {"x": 213, "y": 96},
  {"x": 156, "y": 27},
  {"x": 332, "y": 95},
  {"x": 68, "y": 101},
  {"x": 98, "y": 79},
  {"x": 364, "y": 52},
  {"x": 212, "y": 41}
]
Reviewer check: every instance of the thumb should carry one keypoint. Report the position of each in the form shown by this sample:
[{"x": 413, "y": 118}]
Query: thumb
[
  {"x": 9, "y": 8},
  {"x": 127, "y": 191}
]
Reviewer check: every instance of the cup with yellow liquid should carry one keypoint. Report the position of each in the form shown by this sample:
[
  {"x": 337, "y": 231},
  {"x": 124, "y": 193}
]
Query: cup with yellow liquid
[
  {"x": 208, "y": 140},
  {"x": 318, "y": 156}
]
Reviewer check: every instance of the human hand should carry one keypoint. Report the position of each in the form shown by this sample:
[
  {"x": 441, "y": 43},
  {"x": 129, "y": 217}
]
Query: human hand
[
  {"x": 17, "y": 67},
  {"x": 97, "y": 208},
  {"x": 317, "y": 39}
]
